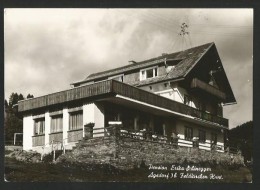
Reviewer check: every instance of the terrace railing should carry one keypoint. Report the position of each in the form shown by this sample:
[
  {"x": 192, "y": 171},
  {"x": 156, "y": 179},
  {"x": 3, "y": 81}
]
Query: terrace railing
[
  {"x": 139, "y": 135},
  {"x": 150, "y": 98}
]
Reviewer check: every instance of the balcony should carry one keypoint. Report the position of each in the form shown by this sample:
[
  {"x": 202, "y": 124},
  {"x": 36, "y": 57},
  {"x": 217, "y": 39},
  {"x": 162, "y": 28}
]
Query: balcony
[
  {"x": 198, "y": 84},
  {"x": 150, "y": 98},
  {"x": 111, "y": 88},
  {"x": 66, "y": 96}
]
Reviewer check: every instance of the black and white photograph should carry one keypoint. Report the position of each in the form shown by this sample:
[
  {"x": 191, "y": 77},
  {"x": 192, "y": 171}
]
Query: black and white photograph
[{"x": 160, "y": 95}]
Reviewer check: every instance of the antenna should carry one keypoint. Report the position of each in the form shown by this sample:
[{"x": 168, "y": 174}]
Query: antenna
[{"x": 183, "y": 33}]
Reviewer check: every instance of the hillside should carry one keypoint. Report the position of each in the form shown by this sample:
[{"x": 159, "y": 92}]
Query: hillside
[{"x": 242, "y": 138}]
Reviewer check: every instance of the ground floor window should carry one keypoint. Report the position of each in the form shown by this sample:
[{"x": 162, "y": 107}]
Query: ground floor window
[
  {"x": 202, "y": 136},
  {"x": 39, "y": 126},
  {"x": 188, "y": 133},
  {"x": 56, "y": 123},
  {"x": 76, "y": 120}
]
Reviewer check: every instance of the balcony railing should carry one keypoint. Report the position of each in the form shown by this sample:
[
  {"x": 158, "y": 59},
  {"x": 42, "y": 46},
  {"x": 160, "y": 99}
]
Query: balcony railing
[
  {"x": 196, "y": 83},
  {"x": 66, "y": 96},
  {"x": 150, "y": 98},
  {"x": 111, "y": 88}
]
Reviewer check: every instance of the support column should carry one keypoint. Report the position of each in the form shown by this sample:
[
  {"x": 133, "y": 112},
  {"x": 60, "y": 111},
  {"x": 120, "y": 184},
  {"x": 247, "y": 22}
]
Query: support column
[
  {"x": 47, "y": 127},
  {"x": 136, "y": 127},
  {"x": 94, "y": 113},
  {"x": 65, "y": 125},
  {"x": 88, "y": 115},
  {"x": 28, "y": 132},
  {"x": 164, "y": 129},
  {"x": 99, "y": 118},
  {"x": 151, "y": 124}
]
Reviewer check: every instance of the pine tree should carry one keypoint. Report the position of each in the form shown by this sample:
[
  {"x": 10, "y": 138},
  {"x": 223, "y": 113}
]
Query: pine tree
[{"x": 29, "y": 96}]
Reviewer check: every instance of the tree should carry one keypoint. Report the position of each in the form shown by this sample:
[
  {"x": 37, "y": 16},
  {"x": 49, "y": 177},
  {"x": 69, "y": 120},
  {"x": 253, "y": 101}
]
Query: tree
[
  {"x": 12, "y": 123},
  {"x": 29, "y": 96},
  {"x": 6, "y": 104},
  {"x": 13, "y": 99},
  {"x": 20, "y": 97},
  {"x": 242, "y": 138}
]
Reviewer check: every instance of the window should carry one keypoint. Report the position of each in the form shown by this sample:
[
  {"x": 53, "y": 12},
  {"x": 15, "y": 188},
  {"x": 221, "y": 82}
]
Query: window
[
  {"x": 202, "y": 136},
  {"x": 76, "y": 120},
  {"x": 187, "y": 100},
  {"x": 56, "y": 123},
  {"x": 214, "y": 138},
  {"x": 148, "y": 73},
  {"x": 39, "y": 126},
  {"x": 188, "y": 133}
]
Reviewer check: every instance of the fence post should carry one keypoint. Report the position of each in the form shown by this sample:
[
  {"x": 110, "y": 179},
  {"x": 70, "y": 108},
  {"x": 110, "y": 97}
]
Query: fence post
[
  {"x": 117, "y": 134},
  {"x": 42, "y": 153},
  {"x": 53, "y": 153},
  {"x": 52, "y": 145},
  {"x": 14, "y": 138},
  {"x": 63, "y": 145}
]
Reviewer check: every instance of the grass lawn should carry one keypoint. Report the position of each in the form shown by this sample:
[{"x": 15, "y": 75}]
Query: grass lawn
[{"x": 17, "y": 171}]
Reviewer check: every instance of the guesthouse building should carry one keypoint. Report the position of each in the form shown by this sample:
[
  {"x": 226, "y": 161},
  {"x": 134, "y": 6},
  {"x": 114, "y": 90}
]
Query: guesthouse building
[{"x": 181, "y": 94}]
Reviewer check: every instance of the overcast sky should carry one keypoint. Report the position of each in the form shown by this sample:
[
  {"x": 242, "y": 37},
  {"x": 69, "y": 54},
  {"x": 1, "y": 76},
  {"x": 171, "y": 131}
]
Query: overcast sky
[{"x": 47, "y": 49}]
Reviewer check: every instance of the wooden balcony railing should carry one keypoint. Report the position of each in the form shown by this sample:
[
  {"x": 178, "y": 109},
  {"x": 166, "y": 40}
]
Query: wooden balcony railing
[
  {"x": 38, "y": 140},
  {"x": 147, "y": 97},
  {"x": 196, "y": 83},
  {"x": 66, "y": 96},
  {"x": 111, "y": 88},
  {"x": 56, "y": 137}
]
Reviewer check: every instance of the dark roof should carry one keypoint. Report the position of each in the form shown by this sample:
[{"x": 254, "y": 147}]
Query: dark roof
[{"x": 188, "y": 58}]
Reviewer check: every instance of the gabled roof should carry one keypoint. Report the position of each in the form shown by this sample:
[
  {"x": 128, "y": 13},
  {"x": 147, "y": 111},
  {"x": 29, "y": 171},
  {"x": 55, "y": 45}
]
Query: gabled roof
[{"x": 188, "y": 58}]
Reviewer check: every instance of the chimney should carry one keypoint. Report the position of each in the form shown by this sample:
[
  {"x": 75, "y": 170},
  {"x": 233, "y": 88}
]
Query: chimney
[{"x": 131, "y": 62}]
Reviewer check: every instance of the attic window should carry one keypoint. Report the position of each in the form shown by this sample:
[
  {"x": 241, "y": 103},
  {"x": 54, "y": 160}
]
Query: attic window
[{"x": 148, "y": 73}]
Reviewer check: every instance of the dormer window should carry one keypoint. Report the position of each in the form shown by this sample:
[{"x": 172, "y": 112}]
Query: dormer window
[{"x": 147, "y": 73}]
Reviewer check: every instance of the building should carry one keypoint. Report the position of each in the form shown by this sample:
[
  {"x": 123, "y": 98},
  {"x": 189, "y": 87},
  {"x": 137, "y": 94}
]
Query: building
[{"x": 181, "y": 93}]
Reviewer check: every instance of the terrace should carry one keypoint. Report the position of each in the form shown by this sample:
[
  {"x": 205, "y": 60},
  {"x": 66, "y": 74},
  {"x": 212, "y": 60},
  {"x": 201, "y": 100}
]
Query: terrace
[{"x": 114, "y": 91}]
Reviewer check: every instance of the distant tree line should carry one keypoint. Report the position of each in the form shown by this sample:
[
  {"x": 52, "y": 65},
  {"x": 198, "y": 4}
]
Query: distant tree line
[
  {"x": 241, "y": 137},
  {"x": 13, "y": 122}
]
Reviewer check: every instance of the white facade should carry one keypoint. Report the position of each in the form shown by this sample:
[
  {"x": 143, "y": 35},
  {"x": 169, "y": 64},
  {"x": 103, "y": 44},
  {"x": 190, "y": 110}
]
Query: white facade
[{"x": 92, "y": 113}]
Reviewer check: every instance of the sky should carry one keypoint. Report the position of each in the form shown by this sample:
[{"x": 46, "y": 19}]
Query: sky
[{"x": 48, "y": 49}]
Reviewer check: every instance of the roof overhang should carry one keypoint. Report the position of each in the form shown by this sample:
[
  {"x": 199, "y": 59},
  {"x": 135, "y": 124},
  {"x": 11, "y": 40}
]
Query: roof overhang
[{"x": 156, "y": 110}]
